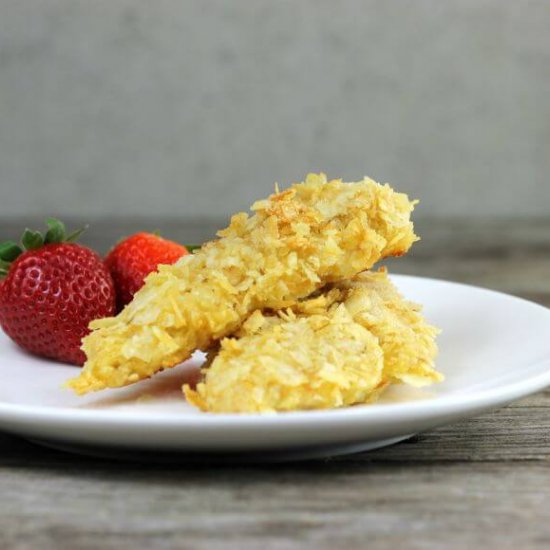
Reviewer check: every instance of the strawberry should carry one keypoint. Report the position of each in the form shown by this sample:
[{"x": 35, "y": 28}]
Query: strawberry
[
  {"x": 51, "y": 290},
  {"x": 132, "y": 259}
]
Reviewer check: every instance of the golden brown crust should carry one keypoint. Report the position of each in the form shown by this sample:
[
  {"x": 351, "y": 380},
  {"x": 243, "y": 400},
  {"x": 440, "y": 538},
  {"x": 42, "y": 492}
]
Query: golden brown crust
[
  {"x": 298, "y": 240},
  {"x": 292, "y": 363},
  {"x": 302, "y": 358}
]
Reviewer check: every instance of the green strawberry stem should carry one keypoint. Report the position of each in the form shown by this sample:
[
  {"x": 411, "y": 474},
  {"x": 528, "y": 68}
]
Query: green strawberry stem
[
  {"x": 192, "y": 247},
  {"x": 4, "y": 268},
  {"x": 75, "y": 235},
  {"x": 9, "y": 251},
  {"x": 56, "y": 232},
  {"x": 32, "y": 240}
]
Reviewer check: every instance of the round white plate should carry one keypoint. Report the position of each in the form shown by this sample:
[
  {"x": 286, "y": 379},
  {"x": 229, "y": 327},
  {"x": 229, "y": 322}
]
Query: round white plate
[{"x": 494, "y": 348}]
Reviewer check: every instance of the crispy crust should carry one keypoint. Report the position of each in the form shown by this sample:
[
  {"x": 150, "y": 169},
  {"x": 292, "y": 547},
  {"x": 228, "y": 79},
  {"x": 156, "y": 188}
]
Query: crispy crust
[
  {"x": 313, "y": 233},
  {"x": 407, "y": 339},
  {"x": 293, "y": 362},
  {"x": 339, "y": 348}
]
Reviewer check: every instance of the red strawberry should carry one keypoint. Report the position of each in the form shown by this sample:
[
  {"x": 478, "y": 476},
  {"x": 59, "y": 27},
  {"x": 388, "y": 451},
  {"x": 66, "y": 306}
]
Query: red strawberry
[
  {"x": 132, "y": 259},
  {"x": 51, "y": 292}
]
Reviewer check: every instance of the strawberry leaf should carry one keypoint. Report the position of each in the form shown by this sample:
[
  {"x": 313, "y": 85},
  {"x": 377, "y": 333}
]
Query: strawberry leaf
[
  {"x": 4, "y": 268},
  {"x": 72, "y": 237},
  {"x": 31, "y": 240},
  {"x": 192, "y": 247},
  {"x": 56, "y": 232},
  {"x": 9, "y": 251}
]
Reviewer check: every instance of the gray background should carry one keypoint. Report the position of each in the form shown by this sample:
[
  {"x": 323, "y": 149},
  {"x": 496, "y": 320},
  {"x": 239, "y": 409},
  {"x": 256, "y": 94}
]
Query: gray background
[{"x": 192, "y": 109}]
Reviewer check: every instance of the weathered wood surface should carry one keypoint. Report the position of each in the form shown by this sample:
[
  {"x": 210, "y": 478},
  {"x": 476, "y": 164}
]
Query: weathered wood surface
[{"x": 478, "y": 483}]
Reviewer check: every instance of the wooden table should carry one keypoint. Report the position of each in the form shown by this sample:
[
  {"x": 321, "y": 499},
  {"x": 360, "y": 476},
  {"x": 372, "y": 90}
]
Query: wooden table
[{"x": 479, "y": 483}]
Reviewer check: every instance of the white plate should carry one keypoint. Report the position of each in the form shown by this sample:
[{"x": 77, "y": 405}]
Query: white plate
[{"x": 494, "y": 348}]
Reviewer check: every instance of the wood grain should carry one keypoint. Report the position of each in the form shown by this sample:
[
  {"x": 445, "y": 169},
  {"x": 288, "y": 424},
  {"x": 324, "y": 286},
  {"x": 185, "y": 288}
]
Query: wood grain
[{"x": 478, "y": 483}]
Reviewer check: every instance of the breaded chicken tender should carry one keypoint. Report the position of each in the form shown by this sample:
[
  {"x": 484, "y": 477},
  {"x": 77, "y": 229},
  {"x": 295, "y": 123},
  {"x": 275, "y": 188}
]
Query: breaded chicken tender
[
  {"x": 288, "y": 362},
  {"x": 284, "y": 363},
  {"x": 407, "y": 340},
  {"x": 311, "y": 234}
]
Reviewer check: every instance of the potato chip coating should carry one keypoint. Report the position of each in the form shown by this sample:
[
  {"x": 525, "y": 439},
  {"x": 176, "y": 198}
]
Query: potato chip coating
[
  {"x": 407, "y": 340},
  {"x": 292, "y": 363},
  {"x": 298, "y": 240},
  {"x": 268, "y": 365}
]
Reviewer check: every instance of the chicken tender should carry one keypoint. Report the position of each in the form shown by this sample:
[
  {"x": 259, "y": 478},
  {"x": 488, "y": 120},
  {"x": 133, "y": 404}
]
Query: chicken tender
[
  {"x": 281, "y": 363},
  {"x": 407, "y": 340},
  {"x": 311, "y": 234},
  {"x": 286, "y": 363}
]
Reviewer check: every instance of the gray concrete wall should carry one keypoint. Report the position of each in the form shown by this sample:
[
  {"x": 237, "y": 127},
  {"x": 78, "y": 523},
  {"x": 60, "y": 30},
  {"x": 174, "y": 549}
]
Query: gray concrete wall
[{"x": 195, "y": 108}]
